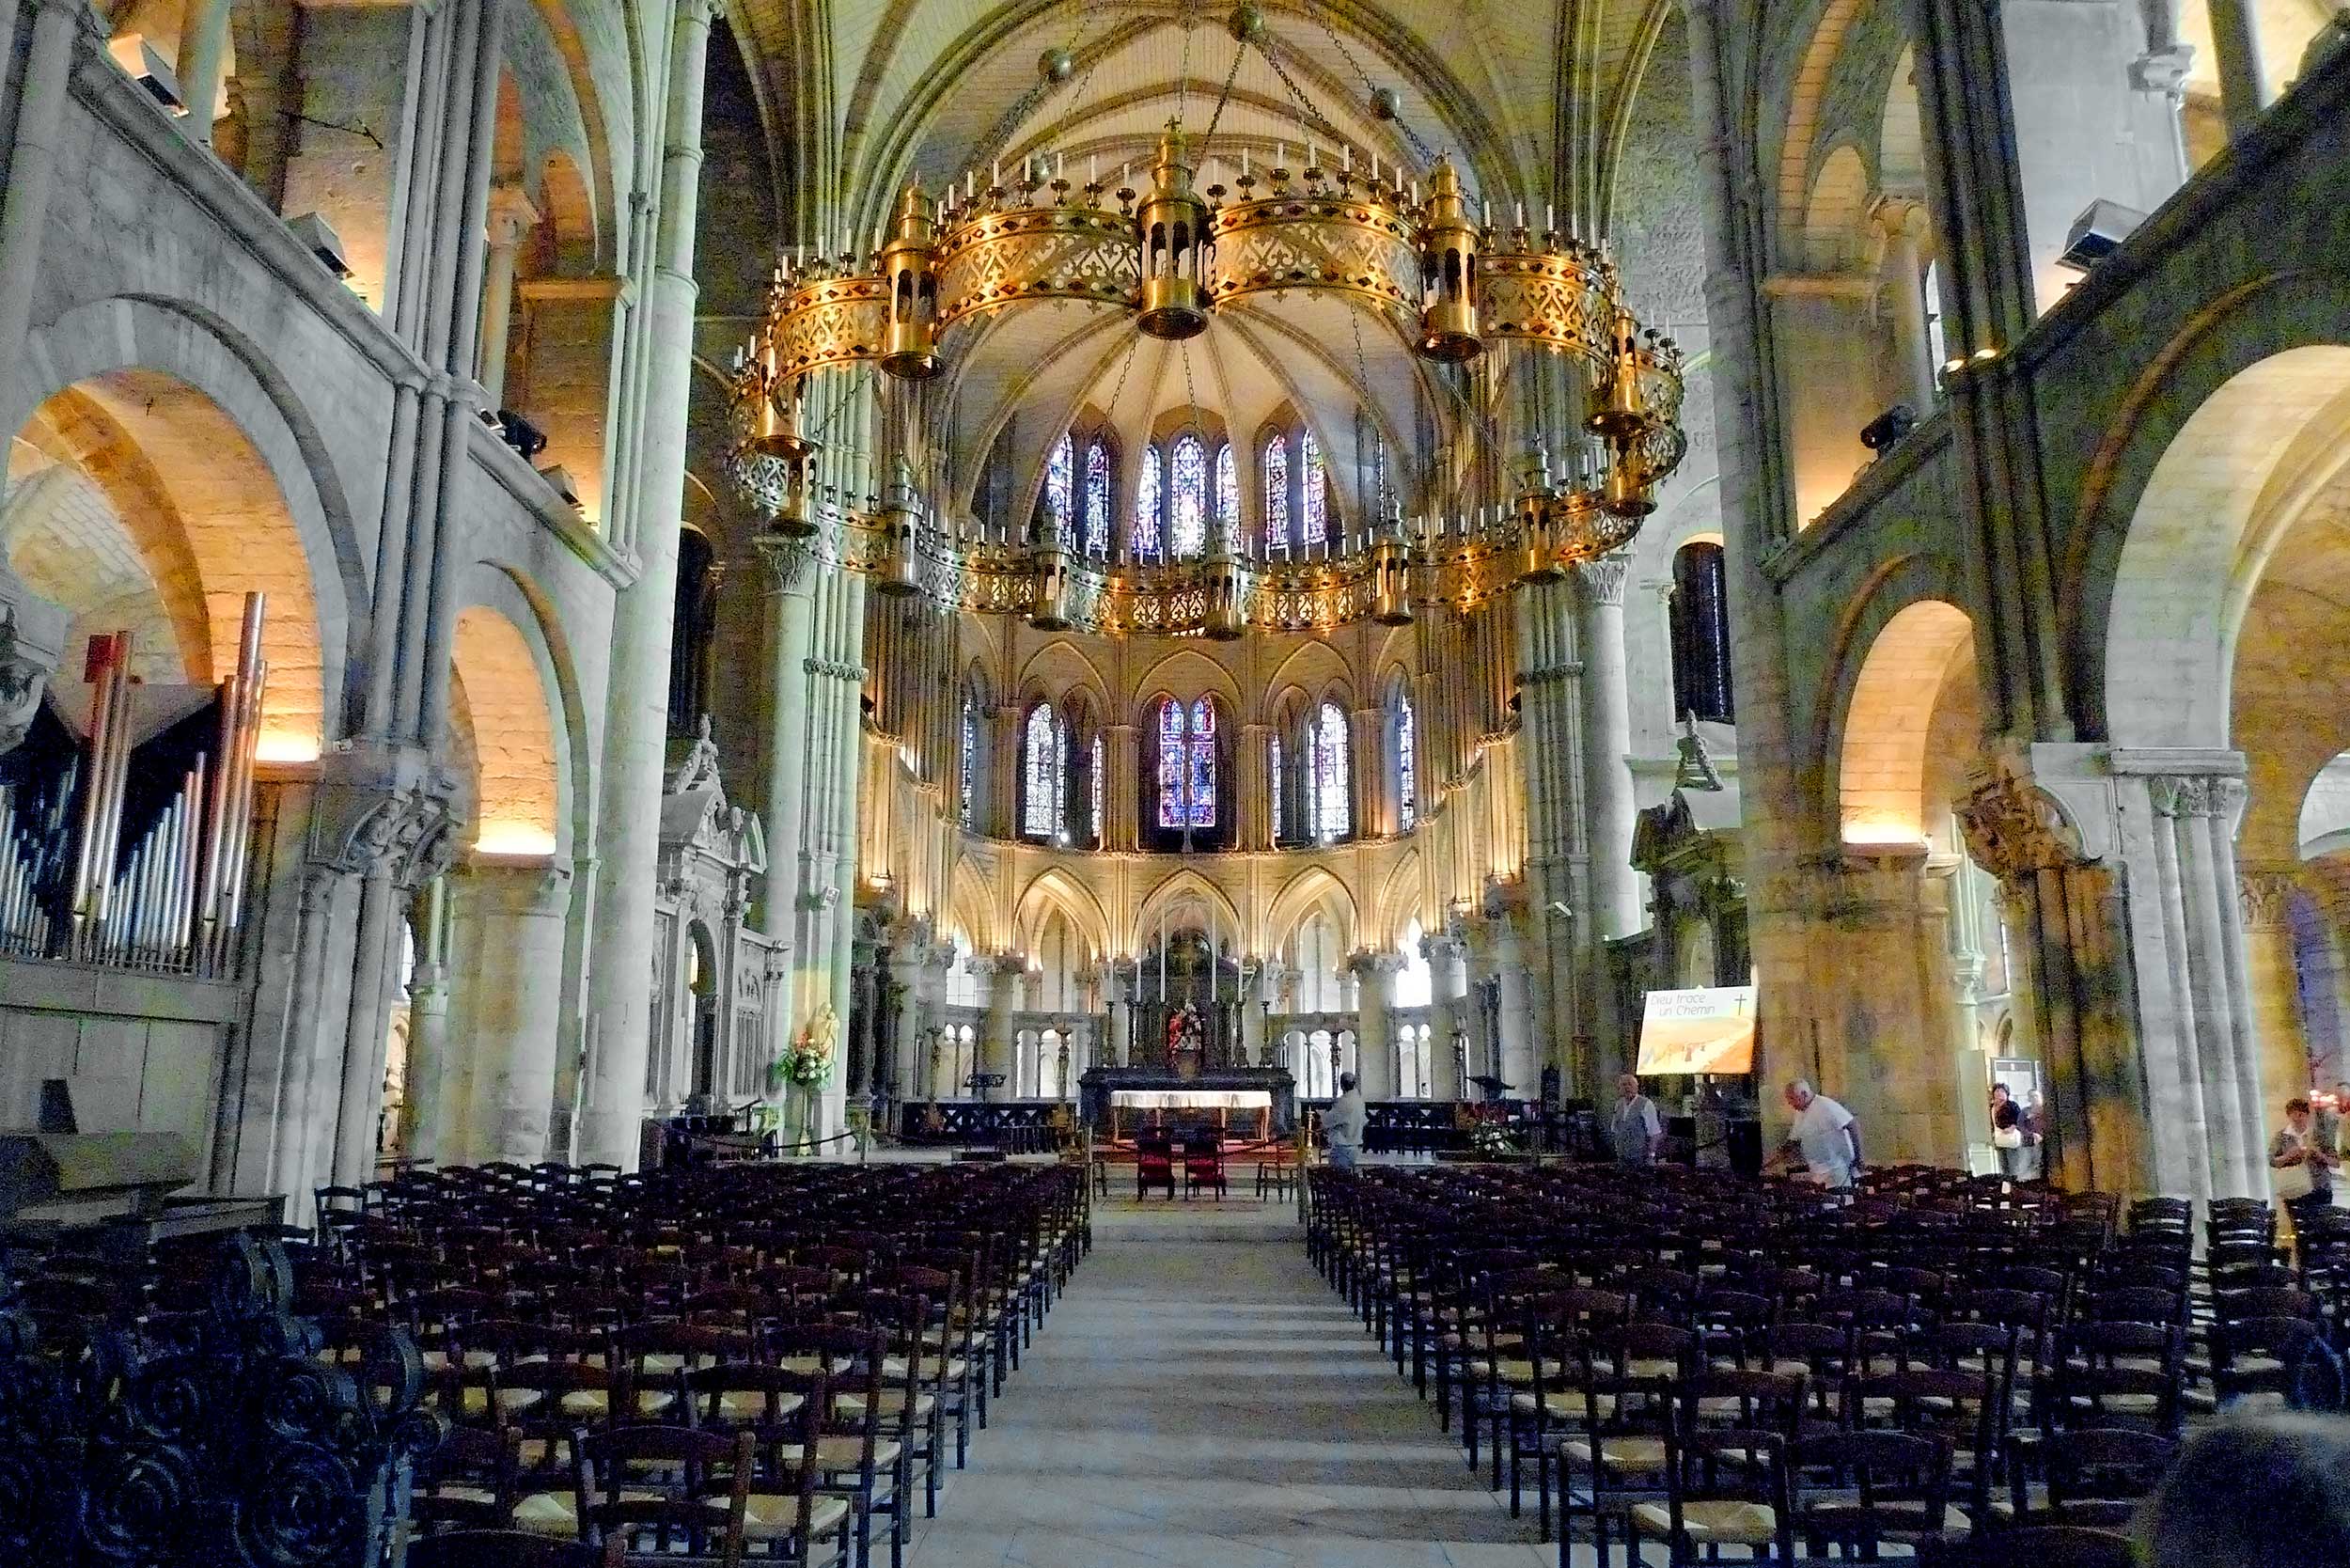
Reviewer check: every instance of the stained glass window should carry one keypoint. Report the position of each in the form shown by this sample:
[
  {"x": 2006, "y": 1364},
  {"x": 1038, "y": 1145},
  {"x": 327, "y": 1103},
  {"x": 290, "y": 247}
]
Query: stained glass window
[
  {"x": 1331, "y": 813},
  {"x": 1059, "y": 485},
  {"x": 1093, "y": 788},
  {"x": 1187, "y": 496},
  {"x": 1313, "y": 488},
  {"x": 1187, "y": 763},
  {"x": 1203, "y": 763},
  {"x": 1273, "y": 773},
  {"x": 1147, "y": 504},
  {"x": 1045, "y": 771},
  {"x": 1277, "y": 493},
  {"x": 1173, "y": 807},
  {"x": 966, "y": 782},
  {"x": 1406, "y": 763},
  {"x": 1228, "y": 496},
  {"x": 1097, "y": 499}
]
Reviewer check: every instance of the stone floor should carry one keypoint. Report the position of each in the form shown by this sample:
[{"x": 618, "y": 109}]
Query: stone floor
[{"x": 1201, "y": 1396}]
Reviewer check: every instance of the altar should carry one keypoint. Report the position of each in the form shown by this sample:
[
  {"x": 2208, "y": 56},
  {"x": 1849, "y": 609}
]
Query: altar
[{"x": 1247, "y": 1102}]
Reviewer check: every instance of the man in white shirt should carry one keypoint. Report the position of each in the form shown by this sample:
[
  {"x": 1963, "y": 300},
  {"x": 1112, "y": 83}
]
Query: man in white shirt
[
  {"x": 1824, "y": 1135},
  {"x": 1343, "y": 1125},
  {"x": 1638, "y": 1131}
]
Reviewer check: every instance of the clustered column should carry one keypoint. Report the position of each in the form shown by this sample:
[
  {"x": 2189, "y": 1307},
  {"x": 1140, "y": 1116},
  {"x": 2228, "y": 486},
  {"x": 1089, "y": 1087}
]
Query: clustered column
[{"x": 646, "y": 525}]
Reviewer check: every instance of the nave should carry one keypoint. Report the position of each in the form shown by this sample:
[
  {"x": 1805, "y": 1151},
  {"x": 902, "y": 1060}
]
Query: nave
[{"x": 1204, "y": 1398}]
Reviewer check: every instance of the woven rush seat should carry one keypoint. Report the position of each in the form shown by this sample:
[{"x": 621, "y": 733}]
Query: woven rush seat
[{"x": 1712, "y": 1522}]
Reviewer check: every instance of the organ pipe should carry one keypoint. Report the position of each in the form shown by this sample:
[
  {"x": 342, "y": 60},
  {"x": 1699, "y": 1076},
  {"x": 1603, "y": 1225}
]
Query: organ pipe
[{"x": 129, "y": 849}]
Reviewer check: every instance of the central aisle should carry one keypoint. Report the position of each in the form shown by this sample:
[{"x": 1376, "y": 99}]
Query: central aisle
[{"x": 1201, "y": 1396}]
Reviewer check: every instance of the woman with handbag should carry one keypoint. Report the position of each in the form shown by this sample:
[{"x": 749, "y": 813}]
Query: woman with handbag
[
  {"x": 2007, "y": 1132},
  {"x": 2303, "y": 1169}
]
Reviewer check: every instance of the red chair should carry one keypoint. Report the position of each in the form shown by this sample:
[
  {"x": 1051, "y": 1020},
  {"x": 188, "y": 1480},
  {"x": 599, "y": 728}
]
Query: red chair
[
  {"x": 1154, "y": 1165},
  {"x": 1203, "y": 1165}
]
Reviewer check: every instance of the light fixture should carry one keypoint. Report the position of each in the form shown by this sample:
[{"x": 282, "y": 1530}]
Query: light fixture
[
  {"x": 2097, "y": 233},
  {"x": 1436, "y": 276}
]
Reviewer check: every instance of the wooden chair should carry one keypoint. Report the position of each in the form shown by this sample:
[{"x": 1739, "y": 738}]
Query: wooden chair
[
  {"x": 2033, "y": 1546},
  {"x": 1203, "y": 1165},
  {"x": 1154, "y": 1165},
  {"x": 688, "y": 1490},
  {"x": 509, "y": 1548}
]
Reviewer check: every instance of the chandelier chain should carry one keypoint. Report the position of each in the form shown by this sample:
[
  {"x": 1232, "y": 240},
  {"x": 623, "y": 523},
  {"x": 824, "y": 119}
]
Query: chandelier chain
[
  {"x": 1370, "y": 87},
  {"x": 1224, "y": 97}
]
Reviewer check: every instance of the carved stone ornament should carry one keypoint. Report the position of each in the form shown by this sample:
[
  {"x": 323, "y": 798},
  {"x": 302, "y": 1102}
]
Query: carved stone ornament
[
  {"x": 1603, "y": 579},
  {"x": 32, "y": 640},
  {"x": 407, "y": 831},
  {"x": 2198, "y": 794},
  {"x": 2266, "y": 900},
  {"x": 2014, "y": 828}
]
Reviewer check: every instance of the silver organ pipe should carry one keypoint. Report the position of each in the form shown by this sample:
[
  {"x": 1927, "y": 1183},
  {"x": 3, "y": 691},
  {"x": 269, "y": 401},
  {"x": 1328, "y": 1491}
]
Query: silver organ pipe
[{"x": 130, "y": 849}]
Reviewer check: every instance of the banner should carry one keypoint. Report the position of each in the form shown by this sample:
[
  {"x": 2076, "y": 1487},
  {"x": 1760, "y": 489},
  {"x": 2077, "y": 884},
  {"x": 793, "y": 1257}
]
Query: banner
[{"x": 1708, "y": 1031}]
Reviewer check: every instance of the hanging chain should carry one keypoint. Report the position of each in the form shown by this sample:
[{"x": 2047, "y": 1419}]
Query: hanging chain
[
  {"x": 1370, "y": 87},
  {"x": 1224, "y": 97},
  {"x": 991, "y": 144}
]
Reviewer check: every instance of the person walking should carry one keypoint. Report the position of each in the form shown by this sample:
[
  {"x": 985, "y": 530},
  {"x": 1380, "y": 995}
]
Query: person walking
[
  {"x": 2007, "y": 1131},
  {"x": 1636, "y": 1133},
  {"x": 1343, "y": 1124},
  {"x": 2304, "y": 1167},
  {"x": 1825, "y": 1136}
]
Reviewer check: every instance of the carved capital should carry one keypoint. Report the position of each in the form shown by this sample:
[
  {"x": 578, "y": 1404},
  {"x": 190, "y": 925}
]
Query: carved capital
[
  {"x": 2266, "y": 898},
  {"x": 2197, "y": 794},
  {"x": 2015, "y": 829},
  {"x": 511, "y": 216},
  {"x": 384, "y": 813},
  {"x": 790, "y": 565},
  {"x": 1603, "y": 579}
]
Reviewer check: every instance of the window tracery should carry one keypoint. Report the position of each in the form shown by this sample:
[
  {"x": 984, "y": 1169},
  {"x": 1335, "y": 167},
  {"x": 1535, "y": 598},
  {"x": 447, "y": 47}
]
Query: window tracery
[{"x": 1187, "y": 491}]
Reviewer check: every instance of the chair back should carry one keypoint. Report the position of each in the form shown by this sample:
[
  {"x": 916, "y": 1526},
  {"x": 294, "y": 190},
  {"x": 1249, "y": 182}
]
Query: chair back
[{"x": 509, "y": 1548}]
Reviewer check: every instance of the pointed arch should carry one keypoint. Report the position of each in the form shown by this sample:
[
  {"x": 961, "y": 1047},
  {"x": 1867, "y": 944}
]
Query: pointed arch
[
  {"x": 1401, "y": 900},
  {"x": 971, "y": 906},
  {"x": 1184, "y": 885},
  {"x": 1054, "y": 890},
  {"x": 1316, "y": 887}
]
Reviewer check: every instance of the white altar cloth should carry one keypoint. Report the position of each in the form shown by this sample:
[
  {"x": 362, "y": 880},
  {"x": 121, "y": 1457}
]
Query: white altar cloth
[{"x": 1191, "y": 1099}]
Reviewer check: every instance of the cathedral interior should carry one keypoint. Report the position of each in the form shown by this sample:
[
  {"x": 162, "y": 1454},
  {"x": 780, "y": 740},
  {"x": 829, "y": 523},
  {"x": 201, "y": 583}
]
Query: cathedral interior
[{"x": 595, "y": 584}]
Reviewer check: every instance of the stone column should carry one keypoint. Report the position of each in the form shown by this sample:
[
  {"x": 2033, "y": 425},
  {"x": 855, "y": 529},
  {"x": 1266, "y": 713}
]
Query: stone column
[
  {"x": 909, "y": 971},
  {"x": 1254, "y": 788},
  {"x": 1903, "y": 223},
  {"x": 1122, "y": 797},
  {"x": 30, "y": 160},
  {"x": 2266, "y": 895},
  {"x": 1878, "y": 1063},
  {"x": 1118, "y": 984},
  {"x": 1608, "y": 728},
  {"x": 508, "y": 919},
  {"x": 2245, "y": 89},
  {"x": 638, "y": 698},
  {"x": 511, "y": 219},
  {"x": 1374, "y": 1023},
  {"x": 1448, "y": 967},
  {"x": 1517, "y": 1053},
  {"x": 203, "y": 48},
  {"x": 998, "y": 1048},
  {"x": 1374, "y": 814},
  {"x": 429, "y": 987}
]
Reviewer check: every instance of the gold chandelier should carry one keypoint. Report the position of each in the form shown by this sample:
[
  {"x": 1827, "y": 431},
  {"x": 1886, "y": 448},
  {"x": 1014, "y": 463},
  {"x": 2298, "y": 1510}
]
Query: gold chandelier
[{"x": 1449, "y": 286}]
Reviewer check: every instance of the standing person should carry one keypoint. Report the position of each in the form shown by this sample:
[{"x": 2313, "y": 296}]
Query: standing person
[
  {"x": 1343, "y": 1125},
  {"x": 1824, "y": 1135},
  {"x": 2007, "y": 1131},
  {"x": 1638, "y": 1133},
  {"x": 2296, "y": 1148}
]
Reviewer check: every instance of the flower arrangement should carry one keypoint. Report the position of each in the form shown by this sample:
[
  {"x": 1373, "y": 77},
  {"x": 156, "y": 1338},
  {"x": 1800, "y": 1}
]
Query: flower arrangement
[
  {"x": 1492, "y": 1139},
  {"x": 808, "y": 1061}
]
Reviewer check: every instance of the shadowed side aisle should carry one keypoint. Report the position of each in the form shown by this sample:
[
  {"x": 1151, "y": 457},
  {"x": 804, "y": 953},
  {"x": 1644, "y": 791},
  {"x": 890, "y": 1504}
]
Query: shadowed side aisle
[{"x": 1204, "y": 1400}]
